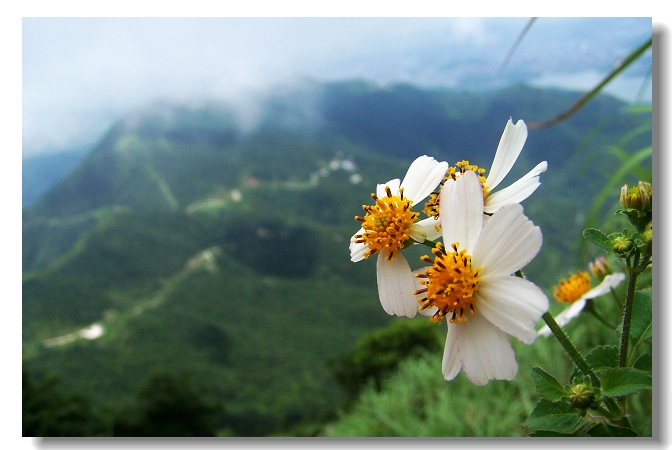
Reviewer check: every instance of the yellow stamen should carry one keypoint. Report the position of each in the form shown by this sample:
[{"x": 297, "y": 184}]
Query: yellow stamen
[
  {"x": 572, "y": 288},
  {"x": 450, "y": 284},
  {"x": 464, "y": 166},
  {"x": 432, "y": 205},
  {"x": 386, "y": 224}
]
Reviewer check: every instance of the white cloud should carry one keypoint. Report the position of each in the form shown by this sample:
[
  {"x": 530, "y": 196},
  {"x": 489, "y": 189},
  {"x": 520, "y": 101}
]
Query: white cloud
[{"x": 79, "y": 73}]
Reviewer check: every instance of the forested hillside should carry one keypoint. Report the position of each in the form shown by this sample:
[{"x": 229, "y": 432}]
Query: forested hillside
[{"x": 205, "y": 251}]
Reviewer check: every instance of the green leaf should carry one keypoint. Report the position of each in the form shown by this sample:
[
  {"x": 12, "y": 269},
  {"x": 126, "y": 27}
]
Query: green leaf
[
  {"x": 598, "y": 238},
  {"x": 546, "y": 433},
  {"x": 560, "y": 417},
  {"x": 623, "y": 381},
  {"x": 606, "y": 430},
  {"x": 547, "y": 385},
  {"x": 644, "y": 363},
  {"x": 601, "y": 358},
  {"x": 640, "y": 326}
]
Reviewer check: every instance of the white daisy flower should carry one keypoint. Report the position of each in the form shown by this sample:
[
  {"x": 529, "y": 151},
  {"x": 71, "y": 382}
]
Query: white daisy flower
[
  {"x": 471, "y": 282},
  {"x": 390, "y": 225},
  {"x": 509, "y": 148},
  {"x": 576, "y": 290}
]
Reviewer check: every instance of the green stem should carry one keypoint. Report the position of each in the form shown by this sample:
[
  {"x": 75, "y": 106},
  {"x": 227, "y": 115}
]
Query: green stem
[
  {"x": 578, "y": 359},
  {"x": 428, "y": 243},
  {"x": 573, "y": 352},
  {"x": 627, "y": 313}
]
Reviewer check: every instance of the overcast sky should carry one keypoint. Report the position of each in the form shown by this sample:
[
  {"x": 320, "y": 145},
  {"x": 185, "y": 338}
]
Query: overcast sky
[{"x": 81, "y": 74}]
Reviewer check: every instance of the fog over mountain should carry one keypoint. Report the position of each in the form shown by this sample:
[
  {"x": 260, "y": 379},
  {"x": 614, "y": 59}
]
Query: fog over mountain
[{"x": 82, "y": 74}]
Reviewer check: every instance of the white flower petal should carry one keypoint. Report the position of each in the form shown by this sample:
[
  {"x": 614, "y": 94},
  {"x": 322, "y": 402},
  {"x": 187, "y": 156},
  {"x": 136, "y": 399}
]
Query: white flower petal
[
  {"x": 517, "y": 192},
  {"x": 357, "y": 252},
  {"x": 507, "y": 243},
  {"x": 424, "y": 174},
  {"x": 392, "y": 184},
  {"x": 357, "y": 249},
  {"x": 429, "y": 226},
  {"x": 396, "y": 285},
  {"x": 510, "y": 146},
  {"x": 461, "y": 210},
  {"x": 452, "y": 364},
  {"x": 565, "y": 316},
  {"x": 417, "y": 232},
  {"x": 513, "y": 305},
  {"x": 485, "y": 351},
  {"x": 609, "y": 282}
]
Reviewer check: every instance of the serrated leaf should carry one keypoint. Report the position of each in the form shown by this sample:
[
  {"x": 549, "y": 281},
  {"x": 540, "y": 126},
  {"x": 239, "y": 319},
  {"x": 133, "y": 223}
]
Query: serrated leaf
[
  {"x": 606, "y": 430},
  {"x": 547, "y": 386},
  {"x": 624, "y": 381},
  {"x": 598, "y": 238},
  {"x": 601, "y": 358},
  {"x": 644, "y": 363},
  {"x": 640, "y": 325},
  {"x": 560, "y": 417}
]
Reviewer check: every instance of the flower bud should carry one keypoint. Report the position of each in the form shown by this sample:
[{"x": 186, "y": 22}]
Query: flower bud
[
  {"x": 639, "y": 197},
  {"x": 581, "y": 396},
  {"x": 647, "y": 236},
  {"x": 622, "y": 244},
  {"x": 600, "y": 267}
]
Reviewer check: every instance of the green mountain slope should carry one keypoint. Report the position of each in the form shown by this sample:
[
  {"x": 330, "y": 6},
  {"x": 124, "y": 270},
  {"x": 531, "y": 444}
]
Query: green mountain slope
[
  {"x": 42, "y": 172},
  {"x": 201, "y": 248}
]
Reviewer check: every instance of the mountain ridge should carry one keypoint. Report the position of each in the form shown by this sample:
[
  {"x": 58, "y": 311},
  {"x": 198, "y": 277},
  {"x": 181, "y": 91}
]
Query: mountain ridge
[{"x": 281, "y": 296}]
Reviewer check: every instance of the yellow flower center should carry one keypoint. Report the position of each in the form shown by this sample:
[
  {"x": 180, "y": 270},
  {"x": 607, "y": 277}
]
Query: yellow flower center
[
  {"x": 449, "y": 283},
  {"x": 572, "y": 288},
  {"x": 386, "y": 224},
  {"x": 432, "y": 205}
]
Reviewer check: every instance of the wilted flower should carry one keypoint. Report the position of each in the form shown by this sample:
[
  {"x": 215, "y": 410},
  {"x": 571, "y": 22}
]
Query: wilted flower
[
  {"x": 576, "y": 291},
  {"x": 391, "y": 225},
  {"x": 471, "y": 283},
  {"x": 600, "y": 267}
]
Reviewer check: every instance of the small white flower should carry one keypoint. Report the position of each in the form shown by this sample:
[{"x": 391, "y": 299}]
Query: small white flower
[
  {"x": 471, "y": 283},
  {"x": 390, "y": 225},
  {"x": 577, "y": 304}
]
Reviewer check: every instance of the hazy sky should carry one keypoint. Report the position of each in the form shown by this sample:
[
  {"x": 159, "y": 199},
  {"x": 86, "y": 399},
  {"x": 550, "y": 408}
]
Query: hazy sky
[{"x": 81, "y": 74}]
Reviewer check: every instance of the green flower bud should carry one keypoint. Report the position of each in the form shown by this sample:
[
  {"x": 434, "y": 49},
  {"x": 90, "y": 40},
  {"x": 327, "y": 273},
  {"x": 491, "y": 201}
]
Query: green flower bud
[
  {"x": 581, "y": 396},
  {"x": 639, "y": 197},
  {"x": 622, "y": 244},
  {"x": 647, "y": 237}
]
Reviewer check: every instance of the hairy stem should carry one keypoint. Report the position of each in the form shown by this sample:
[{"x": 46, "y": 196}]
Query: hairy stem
[{"x": 573, "y": 352}]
